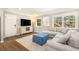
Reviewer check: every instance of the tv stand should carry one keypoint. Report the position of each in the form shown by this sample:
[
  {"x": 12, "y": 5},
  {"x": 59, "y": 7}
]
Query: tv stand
[{"x": 27, "y": 29}]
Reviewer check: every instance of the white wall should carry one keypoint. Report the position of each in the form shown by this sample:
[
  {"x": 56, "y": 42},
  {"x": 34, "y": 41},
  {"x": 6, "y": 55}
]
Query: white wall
[
  {"x": 0, "y": 25},
  {"x": 18, "y": 27},
  {"x": 75, "y": 13},
  {"x": 22, "y": 29},
  {"x": 2, "y": 20}
]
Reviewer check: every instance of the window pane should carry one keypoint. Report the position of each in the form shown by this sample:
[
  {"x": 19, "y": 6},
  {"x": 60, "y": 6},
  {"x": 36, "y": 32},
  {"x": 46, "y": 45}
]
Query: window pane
[
  {"x": 69, "y": 21},
  {"x": 46, "y": 21},
  {"x": 57, "y": 21},
  {"x": 38, "y": 22}
]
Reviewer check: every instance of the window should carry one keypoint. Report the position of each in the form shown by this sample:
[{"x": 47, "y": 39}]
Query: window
[
  {"x": 57, "y": 21},
  {"x": 38, "y": 22},
  {"x": 69, "y": 21},
  {"x": 46, "y": 21}
]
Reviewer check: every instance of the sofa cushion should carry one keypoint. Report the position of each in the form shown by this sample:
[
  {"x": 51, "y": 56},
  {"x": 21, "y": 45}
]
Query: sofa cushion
[
  {"x": 59, "y": 46},
  {"x": 64, "y": 30},
  {"x": 74, "y": 39},
  {"x": 61, "y": 38}
]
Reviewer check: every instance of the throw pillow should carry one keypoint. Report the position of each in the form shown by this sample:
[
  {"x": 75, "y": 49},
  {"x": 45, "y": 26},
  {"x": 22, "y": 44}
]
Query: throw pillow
[
  {"x": 61, "y": 38},
  {"x": 74, "y": 39},
  {"x": 64, "y": 30}
]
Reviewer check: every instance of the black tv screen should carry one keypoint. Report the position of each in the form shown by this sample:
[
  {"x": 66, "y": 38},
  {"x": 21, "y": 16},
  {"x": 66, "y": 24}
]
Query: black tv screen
[{"x": 25, "y": 22}]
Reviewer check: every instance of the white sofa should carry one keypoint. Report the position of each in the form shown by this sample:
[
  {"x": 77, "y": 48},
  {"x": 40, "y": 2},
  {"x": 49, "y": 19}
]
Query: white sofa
[{"x": 56, "y": 44}]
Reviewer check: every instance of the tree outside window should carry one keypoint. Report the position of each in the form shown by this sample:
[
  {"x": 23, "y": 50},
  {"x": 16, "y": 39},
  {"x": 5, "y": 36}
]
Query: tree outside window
[
  {"x": 38, "y": 22},
  {"x": 69, "y": 21},
  {"x": 57, "y": 21}
]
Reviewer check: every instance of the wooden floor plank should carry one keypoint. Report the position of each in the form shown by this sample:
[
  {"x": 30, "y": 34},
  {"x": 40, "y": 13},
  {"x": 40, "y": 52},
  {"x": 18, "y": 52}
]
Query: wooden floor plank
[{"x": 11, "y": 44}]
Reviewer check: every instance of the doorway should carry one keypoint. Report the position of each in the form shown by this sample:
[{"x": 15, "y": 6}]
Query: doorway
[{"x": 10, "y": 25}]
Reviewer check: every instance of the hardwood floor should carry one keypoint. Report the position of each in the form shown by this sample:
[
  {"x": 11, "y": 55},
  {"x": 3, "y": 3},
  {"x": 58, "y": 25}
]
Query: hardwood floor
[{"x": 11, "y": 44}]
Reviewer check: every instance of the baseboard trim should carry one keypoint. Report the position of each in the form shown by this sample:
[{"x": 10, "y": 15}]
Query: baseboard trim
[{"x": 18, "y": 35}]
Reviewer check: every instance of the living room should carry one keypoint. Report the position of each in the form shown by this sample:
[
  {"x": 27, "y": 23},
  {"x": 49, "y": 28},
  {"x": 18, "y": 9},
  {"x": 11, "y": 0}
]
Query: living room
[{"x": 27, "y": 26}]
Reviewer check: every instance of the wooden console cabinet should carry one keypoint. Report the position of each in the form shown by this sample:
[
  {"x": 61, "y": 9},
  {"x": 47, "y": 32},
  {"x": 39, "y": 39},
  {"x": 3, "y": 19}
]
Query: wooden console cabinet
[{"x": 26, "y": 30}]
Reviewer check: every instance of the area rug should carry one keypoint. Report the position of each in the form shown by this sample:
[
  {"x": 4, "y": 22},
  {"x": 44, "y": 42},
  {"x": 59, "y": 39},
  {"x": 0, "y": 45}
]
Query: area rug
[{"x": 27, "y": 43}]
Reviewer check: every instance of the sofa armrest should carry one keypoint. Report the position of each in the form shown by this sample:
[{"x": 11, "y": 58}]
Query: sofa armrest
[{"x": 60, "y": 46}]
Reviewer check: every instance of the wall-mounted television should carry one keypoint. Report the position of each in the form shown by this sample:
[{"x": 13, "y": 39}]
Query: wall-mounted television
[{"x": 25, "y": 22}]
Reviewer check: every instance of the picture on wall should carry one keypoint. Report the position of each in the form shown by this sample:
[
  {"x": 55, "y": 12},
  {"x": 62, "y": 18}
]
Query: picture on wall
[
  {"x": 57, "y": 21},
  {"x": 69, "y": 21},
  {"x": 38, "y": 22}
]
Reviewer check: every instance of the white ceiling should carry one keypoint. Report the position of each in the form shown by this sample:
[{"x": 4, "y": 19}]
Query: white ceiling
[
  {"x": 29, "y": 11},
  {"x": 36, "y": 11}
]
